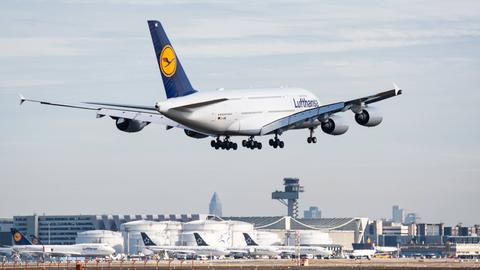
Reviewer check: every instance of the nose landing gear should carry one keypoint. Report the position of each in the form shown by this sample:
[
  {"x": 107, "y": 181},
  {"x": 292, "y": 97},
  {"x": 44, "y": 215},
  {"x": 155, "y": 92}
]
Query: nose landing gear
[
  {"x": 251, "y": 143},
  {"x": 226, "y": 144},
  {"x": 311, "y": 138}
]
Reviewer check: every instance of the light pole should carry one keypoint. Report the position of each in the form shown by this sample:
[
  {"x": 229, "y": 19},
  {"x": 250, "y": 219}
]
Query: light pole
[{"x": 48, "y": 224}]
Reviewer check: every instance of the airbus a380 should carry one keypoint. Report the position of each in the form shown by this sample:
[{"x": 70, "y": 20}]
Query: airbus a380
[
  {"x": 200, "y": 250},
  {"x": 290, "y": 250},
  {"x": 223, "y": 114},
  {"x": 24, "y": 246}
]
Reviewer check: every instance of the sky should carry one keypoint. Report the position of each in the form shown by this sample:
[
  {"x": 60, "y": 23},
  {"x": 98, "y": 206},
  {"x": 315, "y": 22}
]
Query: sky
[{"x": 425, "y": 156}]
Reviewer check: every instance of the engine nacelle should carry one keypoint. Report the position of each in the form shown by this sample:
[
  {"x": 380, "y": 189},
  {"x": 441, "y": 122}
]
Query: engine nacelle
[
  {"x": 193, "y": 134},
  {"x": 334, "y": 126},
  {"x": 130, "y": 125},
  {"x": 369, "y": 117}
]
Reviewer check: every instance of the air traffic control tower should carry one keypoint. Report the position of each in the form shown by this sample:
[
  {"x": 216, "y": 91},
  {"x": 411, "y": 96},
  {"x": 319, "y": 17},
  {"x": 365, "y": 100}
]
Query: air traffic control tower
[{"x": 289, "y": 197}]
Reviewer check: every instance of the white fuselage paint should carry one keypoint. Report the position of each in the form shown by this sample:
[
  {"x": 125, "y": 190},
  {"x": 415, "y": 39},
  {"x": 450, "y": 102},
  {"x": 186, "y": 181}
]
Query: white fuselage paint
[
  {"x": 82, "y": 250},
  {"x": 197, "y": 250},
  {"x": 243, "y": 112}
]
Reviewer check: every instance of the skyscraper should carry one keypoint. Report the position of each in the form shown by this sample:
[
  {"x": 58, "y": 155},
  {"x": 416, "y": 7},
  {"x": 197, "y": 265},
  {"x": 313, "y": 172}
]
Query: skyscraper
[
  {"x": 312, "y": 213},
  {"x": 398, "y": 214},
  {"x": 215, "y": 206}
]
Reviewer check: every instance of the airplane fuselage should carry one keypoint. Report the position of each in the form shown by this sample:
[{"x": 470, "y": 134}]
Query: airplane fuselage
[
  {"x": 84, "y": 250},
  {"x": 238, "y": 112}
]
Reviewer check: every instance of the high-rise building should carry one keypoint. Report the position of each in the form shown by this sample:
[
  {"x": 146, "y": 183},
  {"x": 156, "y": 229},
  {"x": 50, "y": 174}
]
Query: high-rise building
[
  {"x": 312, "y": 213},
  {"x": 215, "y": 206},
  {"x": 398, "y": 214},
  {"x": 411, "y": 218}
]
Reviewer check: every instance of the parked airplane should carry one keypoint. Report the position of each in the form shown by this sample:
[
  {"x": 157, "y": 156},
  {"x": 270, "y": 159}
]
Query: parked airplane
[
  {"x": 261, "y": 251},
  {"x": 367, "y": 251},
  {"x": 200, "y": 250},
  {"x": 233, "y": 251},
  {"x": 292, "y": 250},
  {"x": 24, "y": 246},
  {"x": 223, "y": 114}
]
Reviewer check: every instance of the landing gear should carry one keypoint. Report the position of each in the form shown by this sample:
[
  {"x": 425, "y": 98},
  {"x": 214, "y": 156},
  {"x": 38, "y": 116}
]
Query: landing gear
[
  {"x": 226, "y": 144},
  {"x": 252, "y": 144},
  {"x": 311, "y": 138},
  {"x": 276, "y": 142}
]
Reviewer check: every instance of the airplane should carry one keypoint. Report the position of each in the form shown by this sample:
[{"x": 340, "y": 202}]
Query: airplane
[
  {"x": 24, "y": 246},
  {"x": 291, "y": 250},
  {"x": 201, "y": 250},
  {"x": 261, "y": 251},
  {"x": 367, "y": 250},
  {"x": 224, "y": 114}
]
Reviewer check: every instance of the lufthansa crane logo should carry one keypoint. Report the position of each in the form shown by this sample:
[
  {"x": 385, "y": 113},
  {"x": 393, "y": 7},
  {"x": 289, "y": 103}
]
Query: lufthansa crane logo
[
  {"x": 17, "y": 236},
  {"x": 168, "y": 61}
]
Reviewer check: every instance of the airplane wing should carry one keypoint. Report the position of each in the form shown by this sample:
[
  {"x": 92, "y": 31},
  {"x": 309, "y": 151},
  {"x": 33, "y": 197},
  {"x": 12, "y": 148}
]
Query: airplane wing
[
  {"x": 135, "y": 112},
  {"x": 325, "y": 111}
]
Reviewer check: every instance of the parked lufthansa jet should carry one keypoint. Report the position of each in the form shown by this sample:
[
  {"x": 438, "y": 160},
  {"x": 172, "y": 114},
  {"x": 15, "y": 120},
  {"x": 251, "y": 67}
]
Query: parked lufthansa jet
[{"x": 225, "y": 114}]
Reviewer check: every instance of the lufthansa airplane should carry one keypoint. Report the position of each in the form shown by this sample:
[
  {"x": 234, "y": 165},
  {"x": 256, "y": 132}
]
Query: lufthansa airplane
[{"x": 223, "y": 114}]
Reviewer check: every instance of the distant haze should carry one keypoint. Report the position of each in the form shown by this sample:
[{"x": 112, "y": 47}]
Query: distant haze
[{"x": 424, "y": 157}]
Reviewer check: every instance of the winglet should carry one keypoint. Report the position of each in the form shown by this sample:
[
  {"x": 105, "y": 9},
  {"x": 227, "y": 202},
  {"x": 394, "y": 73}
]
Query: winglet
[
  {"x": 22, "y": 99},
  {"x": 398, "y": 91}
]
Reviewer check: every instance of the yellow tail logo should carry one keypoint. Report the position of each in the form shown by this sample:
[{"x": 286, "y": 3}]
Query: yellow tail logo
[{"x": 168, "y": 61}]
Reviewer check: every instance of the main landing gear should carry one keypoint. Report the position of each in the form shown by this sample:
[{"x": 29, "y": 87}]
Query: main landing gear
[
  {"x": 226, "y": 144},
  {"x": 252, "y": 144},
  {"x": 276, "y": 142},
  {"x": 311, "y": 138}
]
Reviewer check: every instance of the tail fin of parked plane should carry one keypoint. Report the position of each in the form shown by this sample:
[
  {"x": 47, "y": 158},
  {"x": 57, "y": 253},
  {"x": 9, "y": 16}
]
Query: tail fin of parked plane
[
  {"x": 199, "y": 239},
  {"x": 19, "y": 238},
  {"x": 146, "y": 240},
  {"x": 174, "y": 78},
  {"x": 249, "y": 240},
  {"x": 35, "y": 240}
]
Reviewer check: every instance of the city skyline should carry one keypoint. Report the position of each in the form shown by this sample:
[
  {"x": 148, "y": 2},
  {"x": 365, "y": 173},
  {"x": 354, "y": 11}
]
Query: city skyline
[{"x": 424, "y": 156}]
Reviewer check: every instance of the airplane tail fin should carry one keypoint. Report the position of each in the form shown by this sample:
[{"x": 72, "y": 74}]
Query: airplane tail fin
[
  {"x": 174, "y": 78},
  {"x": 19, "y": 238},
  {"x": 249, "y": 240},
  {"x": 199, "y": 239},
  {"x": 146, "y": 240}
]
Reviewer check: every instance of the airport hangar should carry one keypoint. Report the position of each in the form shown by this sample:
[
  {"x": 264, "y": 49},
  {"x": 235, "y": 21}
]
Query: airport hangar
[{"x": 123, "y": 231}]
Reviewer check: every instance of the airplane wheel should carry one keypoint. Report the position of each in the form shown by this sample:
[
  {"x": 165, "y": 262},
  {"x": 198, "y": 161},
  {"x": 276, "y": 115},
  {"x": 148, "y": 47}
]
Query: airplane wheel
[
  {"x": 212, "y": 143},
  {"x": 259, "y": 145},
  {"x": 281, "y": 144},
  {"x": 309, "y": 140},
  {"x": 235, "y": 146},
  {"x": 314, "y": 140},
  {"x": 244, "y": 143},
  {"x": 217, "y": 146},
  {"x": 271, "y": 142},
  {"x": 275, "y": 145}
]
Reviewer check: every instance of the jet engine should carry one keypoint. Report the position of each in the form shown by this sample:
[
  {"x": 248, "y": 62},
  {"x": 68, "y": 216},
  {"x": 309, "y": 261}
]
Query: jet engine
[
  {"x": 193, "y": 134},
  {"x": 334, "y": 126},
  {"x": 130, "y": 125},
  {"x": 368, "y": 117}
]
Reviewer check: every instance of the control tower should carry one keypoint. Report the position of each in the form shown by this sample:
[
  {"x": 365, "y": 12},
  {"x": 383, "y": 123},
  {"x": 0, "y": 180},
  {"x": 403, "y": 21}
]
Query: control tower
[{"x": 289, "y": 197}]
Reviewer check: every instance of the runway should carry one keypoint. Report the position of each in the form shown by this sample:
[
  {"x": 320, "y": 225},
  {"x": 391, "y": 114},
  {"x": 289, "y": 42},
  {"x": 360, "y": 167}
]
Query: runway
[{"x": 263, "y": 264}]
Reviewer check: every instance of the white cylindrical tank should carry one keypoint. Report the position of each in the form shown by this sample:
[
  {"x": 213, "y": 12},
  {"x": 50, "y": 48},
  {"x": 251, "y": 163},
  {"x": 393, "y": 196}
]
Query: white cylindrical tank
[
  {"x": 161, "y": 233},
  {"x": 267, "y": 238},
  {"x": 213, "y": 232},
  {"x": 111, "y": 238},
  {"x": 310, "y": 238},
  {"x": 237, "y": 228}
]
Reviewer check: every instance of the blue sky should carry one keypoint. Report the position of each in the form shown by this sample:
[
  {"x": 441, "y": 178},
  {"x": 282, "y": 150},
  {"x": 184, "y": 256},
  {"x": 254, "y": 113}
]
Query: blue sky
[{"x": 425, "y": 156}]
